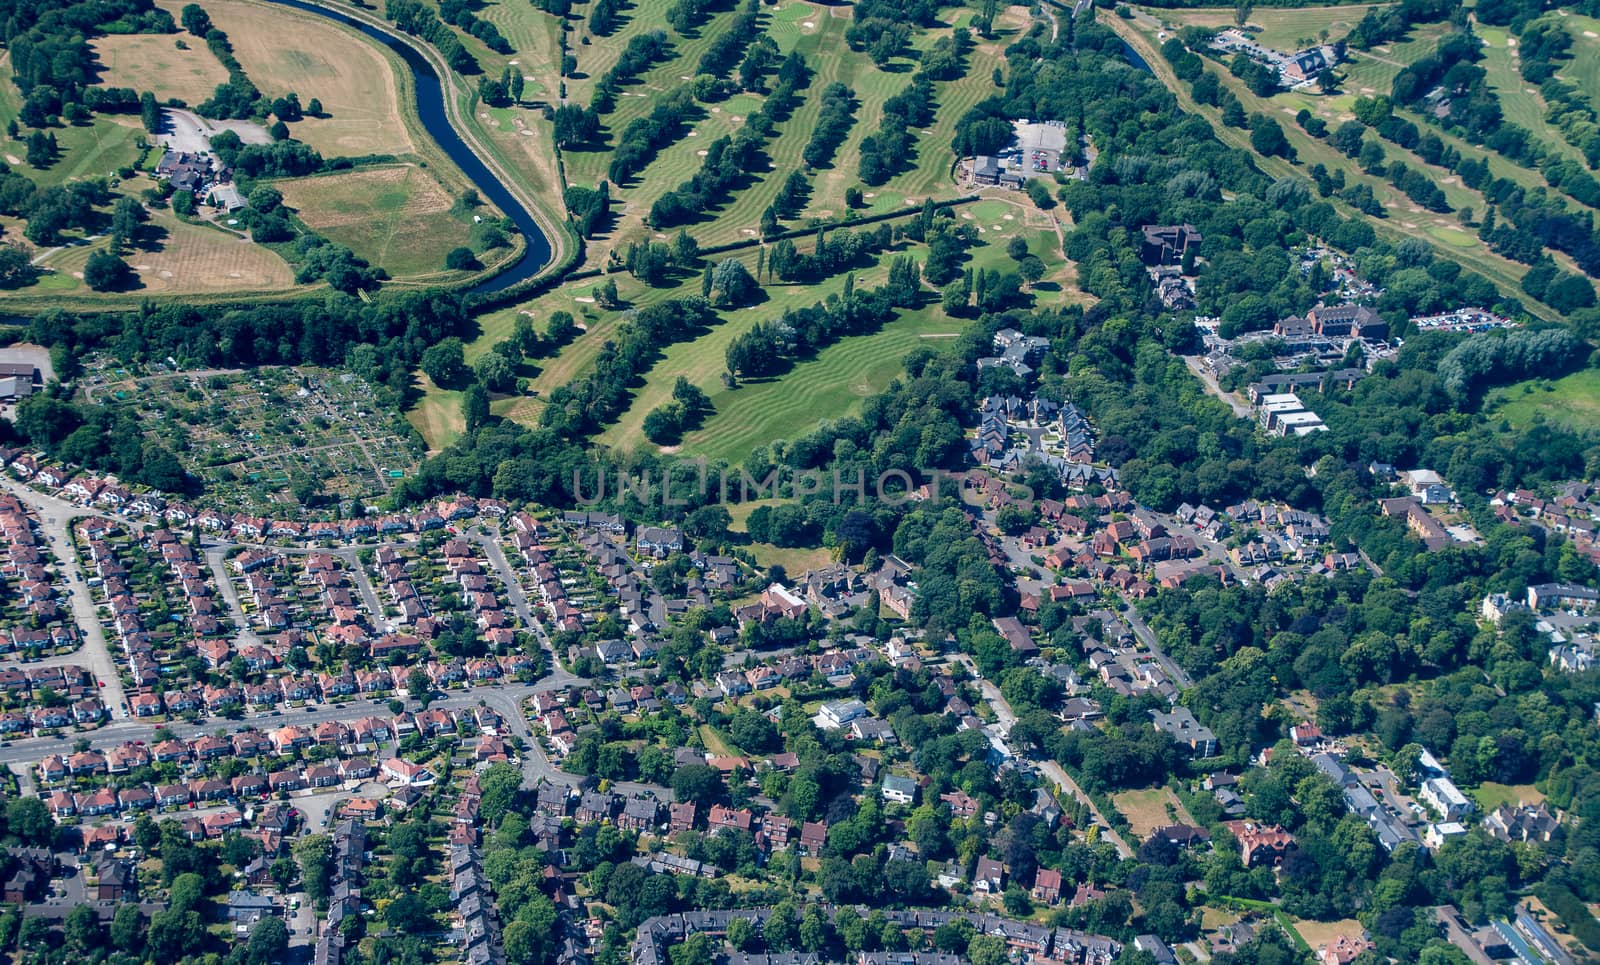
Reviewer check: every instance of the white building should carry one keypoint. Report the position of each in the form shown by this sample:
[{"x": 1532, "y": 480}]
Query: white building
[
  {"x": 837, "y": 713},
  {"x": 1437, "y": 834},
  {"x": 1442, "y": 795}
]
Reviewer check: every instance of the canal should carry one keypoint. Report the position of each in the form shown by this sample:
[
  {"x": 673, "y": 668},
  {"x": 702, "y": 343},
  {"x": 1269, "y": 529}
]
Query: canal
[{"x": 436, "y": 121}]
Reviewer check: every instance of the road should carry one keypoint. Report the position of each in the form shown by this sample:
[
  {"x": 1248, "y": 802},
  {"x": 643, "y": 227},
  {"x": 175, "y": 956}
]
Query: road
[
  {"x": 1057, "y": 775},
  {"x": 1146, "y": 636},
  {"x": 55, "y": 519},
  {"x": 215, "y": 558},
  {"x": 557, "y": 677},
  {"x": 1197, "y": 366}
]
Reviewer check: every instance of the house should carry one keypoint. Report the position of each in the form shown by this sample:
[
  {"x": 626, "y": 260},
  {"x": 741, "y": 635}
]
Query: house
[
  {"x": 1184, "y": 729},
  {"x": 1260, "y": 844},
  {"x": 595, "y": 806},
  {"x": 872, "y": 730},
  {"x": 1441, "y": 794},
  {"x": 1523, "y": 822},
  {"x": 1345, "y": 949},
  {"x": 962, "y": 805},
  {"x": 659, "y": 541},
  {"x": 1562, "y": 596},
  {"x": 245, "y": 907},
  {"x": 639, "y": 814},
  {"x": 1047, "y": 886},
  {"x": 813, "y": 835},
  {"x": 402, "y": 773},
  {"x": 1181, "y": 835},
  {"x": 900, "y": 790},
  {"x": 1016, "y": 635},
  {"x": 989, "y": 877},
  {"x": 836, "y": 713},
  {"x": 116, "y": 881},
  {"x": 1168, "y": 244},
  {"x": 724, "y": 818},
  {"x": 1305, "y": 733}
]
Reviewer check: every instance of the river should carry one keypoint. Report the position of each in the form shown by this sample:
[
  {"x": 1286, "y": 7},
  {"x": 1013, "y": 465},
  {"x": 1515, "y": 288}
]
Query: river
[{"x": 436, "y": 121}]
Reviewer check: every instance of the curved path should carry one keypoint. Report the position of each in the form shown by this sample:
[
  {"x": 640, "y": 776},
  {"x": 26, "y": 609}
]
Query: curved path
[{"x": 438, "y": 98}]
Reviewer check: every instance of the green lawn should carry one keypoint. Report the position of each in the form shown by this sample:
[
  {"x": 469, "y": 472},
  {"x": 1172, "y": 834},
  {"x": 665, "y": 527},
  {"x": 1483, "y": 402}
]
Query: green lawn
[
  {"x": 1573, "y": 401},
  {"x": 817, "y": 32},
  {"x": 1520, "y": 100},
  {"x": 1583, "y": 69},
  {"x": 1490, "y": 795},
  {"x": 835, "y": 382},
  {"x": 1283, "y": 28}
]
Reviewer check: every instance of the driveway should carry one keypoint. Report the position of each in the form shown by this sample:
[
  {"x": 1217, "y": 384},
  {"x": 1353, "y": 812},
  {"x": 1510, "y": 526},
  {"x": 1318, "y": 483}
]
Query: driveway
[{"x": 188, "y": 132}]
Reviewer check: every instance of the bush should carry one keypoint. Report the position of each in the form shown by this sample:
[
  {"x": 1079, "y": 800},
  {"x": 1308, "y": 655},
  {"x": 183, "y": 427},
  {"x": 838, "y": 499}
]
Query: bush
[{"x": 461, "y": 259}]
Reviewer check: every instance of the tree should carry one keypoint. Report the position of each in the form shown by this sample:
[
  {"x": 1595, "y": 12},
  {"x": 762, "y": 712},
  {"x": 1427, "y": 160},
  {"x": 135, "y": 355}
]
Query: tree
[
  {"x": 742, "y": 934},
  {"x": 127, "y": 927},
  {"x": 524, "y": 944},
  {"x": 106, "y": 272},
  {"x": 732, "y": 284},
  {"x": 1031, "y": 269},
  {"x": 269, "y": 940},
  {"x": 1267, "y": 138},
  {"x": 461, "y": 259},
  {"x": 694, "y": 950},
  {"x": 701, "y": 783},
  {"x": 314, "y": 107},
  {"x": 174, "y": 934},
  {"x": 494, "y": 372},
  {"x": 987, "y": 950},
  {"x": 195, "y": 19},
  {"x": 1241, "y": 11},
  {"x": 29, "y": 819},
  {"x": 561, "y": 327},
  {"x": 149, "y": 113},
  {"x": 475, "y": 406},
  {"x": 419, "y": 686},
  {"x": 444, "y": 363},
  {"x": 408, "y": 913},
  {"x": 314, "y": 854},
  {"x": 82, "y": 929}
]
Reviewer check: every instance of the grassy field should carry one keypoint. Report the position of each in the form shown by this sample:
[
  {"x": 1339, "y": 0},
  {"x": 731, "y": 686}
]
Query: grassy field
[
  {"x": 1573, "y": 401},
  {"x": 355, "y": 80},
  {"x": 817, "y": 32},
  {"x": 94, "y": 150},
  {"x": 437, "y": 415},
  {"x": 836, "y": 381},
  {"x": 1320, "y": 933},
  {"x": 1283, "y": 28},
  {"x": 1519, "y": 99},
  {"x": 1583, "y": 69},
  {"x": 829, "y": 385},
  {"x": 395, "y": 216},
  {"x": 189, "y": 259},
  {"x": 1490, "y": 795},
  {"x": 1149, "y": 809},
  {"x": 153, "y": 62}
]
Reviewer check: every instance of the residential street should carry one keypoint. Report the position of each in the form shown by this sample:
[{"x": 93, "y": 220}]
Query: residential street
[
  {"x": 1006, "y": 717},
  {"x": 55, "y": 517}
]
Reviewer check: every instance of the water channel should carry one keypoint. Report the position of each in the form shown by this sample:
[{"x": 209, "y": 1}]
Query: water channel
[{"x": 436, "y": 121}]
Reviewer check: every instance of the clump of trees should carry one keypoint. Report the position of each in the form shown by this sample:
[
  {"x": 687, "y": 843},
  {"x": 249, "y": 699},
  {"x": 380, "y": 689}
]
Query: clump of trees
[{"x": 892, "y": 148}]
